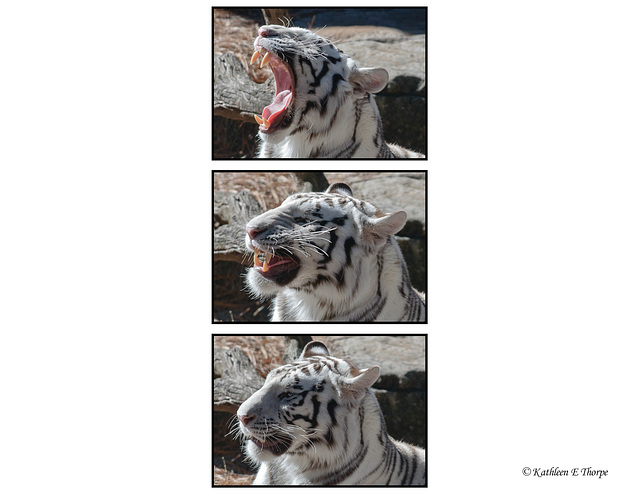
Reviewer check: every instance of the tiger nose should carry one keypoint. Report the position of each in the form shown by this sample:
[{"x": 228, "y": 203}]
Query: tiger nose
[
  {"x": 254, "y": 231},
  {"x": 246, "y": 419},
  {"x": 263, "y": 31}
]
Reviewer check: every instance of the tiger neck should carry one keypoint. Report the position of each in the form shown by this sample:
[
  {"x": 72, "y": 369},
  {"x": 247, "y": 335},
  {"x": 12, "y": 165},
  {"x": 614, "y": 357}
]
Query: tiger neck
[
  {"x": 361, "y": 440},
  {"x": 359, "y": 294},
  {"x": 355, "y": 131}
]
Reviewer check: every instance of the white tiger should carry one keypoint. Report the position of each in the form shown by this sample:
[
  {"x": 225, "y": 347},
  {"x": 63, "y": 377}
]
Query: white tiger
[
  {"x": 331, "y": 257},
  {"x": 316, "y": 422},
  {"x": 323, "y": 106}
]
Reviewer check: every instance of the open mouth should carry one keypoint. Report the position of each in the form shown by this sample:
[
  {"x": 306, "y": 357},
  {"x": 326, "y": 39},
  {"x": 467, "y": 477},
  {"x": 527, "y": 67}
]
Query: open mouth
[
  {"x": 281, "y": 269},
  {"x": 276, "y": 446},
  {"x": 273, "y": 115}
]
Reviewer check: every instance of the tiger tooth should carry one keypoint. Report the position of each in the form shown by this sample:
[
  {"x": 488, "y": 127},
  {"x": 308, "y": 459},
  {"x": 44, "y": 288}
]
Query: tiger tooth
[
  {"x": 256, "y": 260},
  {"x": 265, "y": 266},
  {"x": 266, "y": 123},
  {"x": 258, "y": 120},
  {"x": 254, "y": 57},
  {"x": 265, "y": 59}
]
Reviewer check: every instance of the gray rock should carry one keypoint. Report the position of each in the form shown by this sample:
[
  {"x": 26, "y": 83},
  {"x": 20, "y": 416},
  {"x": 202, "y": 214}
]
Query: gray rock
[
  {"x": 409, "y": 20},
  {"x": 401, "y": 358},
  {"x": 403, "y": 57},
  {"x": 400, "y": 192}
]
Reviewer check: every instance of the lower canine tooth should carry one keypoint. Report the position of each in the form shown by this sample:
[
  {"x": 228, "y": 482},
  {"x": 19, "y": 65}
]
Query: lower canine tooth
[{"x": 259, "y": 120}]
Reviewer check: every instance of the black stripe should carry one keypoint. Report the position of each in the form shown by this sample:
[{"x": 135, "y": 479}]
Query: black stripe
[
  {"x": 349, "y": 242},
  {"x": 411, "y": 469},
  {"x": 336, "y": 81}
]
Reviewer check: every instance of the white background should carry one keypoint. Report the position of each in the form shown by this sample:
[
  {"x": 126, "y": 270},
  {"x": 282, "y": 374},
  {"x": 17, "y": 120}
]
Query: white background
[{"x": 105, "y": 248}]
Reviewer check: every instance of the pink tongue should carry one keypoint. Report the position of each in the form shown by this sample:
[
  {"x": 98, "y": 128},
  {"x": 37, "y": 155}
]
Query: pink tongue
[{"x": 278, "y": 106}]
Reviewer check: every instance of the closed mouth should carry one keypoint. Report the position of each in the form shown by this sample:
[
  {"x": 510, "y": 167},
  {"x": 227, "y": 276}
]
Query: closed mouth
[
  {"x": 274, "y": 114},
  {"x": 274, "y": 445}
]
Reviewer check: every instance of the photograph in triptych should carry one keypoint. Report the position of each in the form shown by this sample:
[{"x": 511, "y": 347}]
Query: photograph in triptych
[
  {"x": 324, "y": 83},
  {"x": 320, "y": 246},
  {"x": 320, "y": 410}
]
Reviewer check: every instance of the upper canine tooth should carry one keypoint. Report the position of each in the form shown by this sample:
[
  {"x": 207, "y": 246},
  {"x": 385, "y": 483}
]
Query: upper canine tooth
[
  {"x": 255, "y": 56},
  {"x": 265, "y": 266},
  {"x": 265, "y": 59}
]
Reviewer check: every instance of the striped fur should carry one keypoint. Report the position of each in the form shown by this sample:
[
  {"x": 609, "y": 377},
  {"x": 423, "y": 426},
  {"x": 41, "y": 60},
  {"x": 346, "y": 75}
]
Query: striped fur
[
  {"x": 331, "y": 257},
  {"x": 316, "y": 422},
  {"x": 332, "y": 113}
]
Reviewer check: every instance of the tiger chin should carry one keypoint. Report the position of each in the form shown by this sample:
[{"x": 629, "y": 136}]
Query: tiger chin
[
  {"x": 331, "y": 257},
  {"x": 316, "y": 422},
  {"x": 323, "y": 105}
]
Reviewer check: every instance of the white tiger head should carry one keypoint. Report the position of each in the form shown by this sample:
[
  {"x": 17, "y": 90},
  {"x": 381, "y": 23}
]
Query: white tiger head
[
  {"x": 312, "y": 240},
  {"x": 314, "y": 79},
  {"x": 301, "y": 404}
]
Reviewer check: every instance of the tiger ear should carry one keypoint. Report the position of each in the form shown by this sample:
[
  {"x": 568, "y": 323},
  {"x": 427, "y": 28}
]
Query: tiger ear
[
  {"x": 367, "y": 377},
  {"x": 368, "y": 80},
  {"x": 340, "y": 188},
  {"x": 314, "y": 348},
  {"x": 377, "y": 231},
  {"x": 355, "y": 387}
]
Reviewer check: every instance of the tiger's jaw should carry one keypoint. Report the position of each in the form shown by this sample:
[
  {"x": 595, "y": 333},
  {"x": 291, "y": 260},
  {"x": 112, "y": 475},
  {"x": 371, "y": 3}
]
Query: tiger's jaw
[
  {"x": 272, "y": 269},
  {"x": 268, "y": 448},
  {"x": 280, "y": 268},
  {"x": 277, "y": 115}
]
